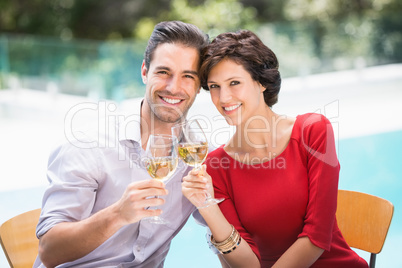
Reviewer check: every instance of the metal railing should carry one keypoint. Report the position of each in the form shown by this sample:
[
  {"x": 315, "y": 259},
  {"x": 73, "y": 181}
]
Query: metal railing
[
  {"x": 112, "y": 70},
  {"x": 88, "y": 68}
]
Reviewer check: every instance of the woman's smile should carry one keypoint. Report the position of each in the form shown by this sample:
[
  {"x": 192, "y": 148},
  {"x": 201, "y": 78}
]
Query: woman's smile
[{"x": 231, "y": 108}]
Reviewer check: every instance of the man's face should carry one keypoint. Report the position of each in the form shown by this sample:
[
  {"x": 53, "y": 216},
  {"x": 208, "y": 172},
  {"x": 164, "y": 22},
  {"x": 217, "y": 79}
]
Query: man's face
[{"x": 172, "y": 82}]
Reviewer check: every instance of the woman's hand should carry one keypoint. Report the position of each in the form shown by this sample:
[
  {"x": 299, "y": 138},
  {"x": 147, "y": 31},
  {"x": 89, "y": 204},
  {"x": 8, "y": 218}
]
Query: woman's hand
[{"x": 195, "y": 185}]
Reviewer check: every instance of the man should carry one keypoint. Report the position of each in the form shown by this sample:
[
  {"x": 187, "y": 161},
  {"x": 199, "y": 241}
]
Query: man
[{"x": 93, "y": 210}]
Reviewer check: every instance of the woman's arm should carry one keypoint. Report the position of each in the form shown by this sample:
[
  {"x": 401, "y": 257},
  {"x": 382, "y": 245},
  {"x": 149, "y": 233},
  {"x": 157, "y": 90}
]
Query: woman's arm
[
  {"x": 194, "y": 186},
  {"x": 301, "y": 254},
  {"x": 318, "y": 148}
]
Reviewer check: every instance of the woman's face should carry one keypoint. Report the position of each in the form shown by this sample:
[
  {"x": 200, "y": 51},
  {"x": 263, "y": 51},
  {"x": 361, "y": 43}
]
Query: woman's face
[{"x": 234, "y": 93}]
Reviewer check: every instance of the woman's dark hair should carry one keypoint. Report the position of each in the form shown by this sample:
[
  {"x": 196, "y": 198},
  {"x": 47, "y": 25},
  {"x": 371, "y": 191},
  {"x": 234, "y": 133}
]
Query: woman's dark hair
[
  {"x": 175, "y": 32},
  {"x": 245, "y": 48}
]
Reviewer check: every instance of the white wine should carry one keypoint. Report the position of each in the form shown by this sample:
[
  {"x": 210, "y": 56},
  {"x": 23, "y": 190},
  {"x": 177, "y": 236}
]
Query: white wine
[
  {"x": 161, "y": 168},
  {"x": 193, "y": 154}
]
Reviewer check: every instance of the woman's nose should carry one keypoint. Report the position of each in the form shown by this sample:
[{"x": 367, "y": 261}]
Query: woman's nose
[{"x": 225, "y": 95}]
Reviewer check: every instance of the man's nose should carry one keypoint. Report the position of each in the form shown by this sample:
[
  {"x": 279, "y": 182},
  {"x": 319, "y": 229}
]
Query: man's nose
[{"x": 174, "y": 84}]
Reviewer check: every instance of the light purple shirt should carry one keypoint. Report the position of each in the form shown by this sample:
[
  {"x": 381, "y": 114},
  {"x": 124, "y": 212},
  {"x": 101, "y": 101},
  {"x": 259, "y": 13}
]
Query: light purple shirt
[{"x": 91, "y": 173}]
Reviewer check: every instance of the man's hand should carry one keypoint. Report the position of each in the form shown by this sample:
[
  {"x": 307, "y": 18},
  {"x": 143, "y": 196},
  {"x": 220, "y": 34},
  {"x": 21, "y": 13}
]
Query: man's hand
[{"x": 138, "y": 197}]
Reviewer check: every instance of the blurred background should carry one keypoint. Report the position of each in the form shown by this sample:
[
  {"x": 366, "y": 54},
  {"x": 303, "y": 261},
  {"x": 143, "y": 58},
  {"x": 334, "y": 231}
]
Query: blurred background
[
  {"x": 92, "y": 48},
  {"x": 337, "y": 57}
]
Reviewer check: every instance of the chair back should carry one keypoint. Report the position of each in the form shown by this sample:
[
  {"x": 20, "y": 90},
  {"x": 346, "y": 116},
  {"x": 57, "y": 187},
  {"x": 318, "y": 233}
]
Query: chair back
[
  {"x": 364, "y": 220},
  {"x": 18, "y": 239}
]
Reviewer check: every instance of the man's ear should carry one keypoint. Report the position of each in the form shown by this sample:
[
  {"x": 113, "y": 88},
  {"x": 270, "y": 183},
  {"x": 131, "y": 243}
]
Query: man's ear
[{"x": 144, "y": 72}]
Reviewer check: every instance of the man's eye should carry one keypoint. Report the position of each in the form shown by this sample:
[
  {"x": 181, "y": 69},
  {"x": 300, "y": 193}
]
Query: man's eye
[
  {"x": 162, "y": 72},
  {"x": 189, "y": 76}
]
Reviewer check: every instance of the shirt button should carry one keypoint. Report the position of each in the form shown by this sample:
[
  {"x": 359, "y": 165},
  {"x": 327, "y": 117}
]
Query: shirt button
[{"x": 138, "y": 248}]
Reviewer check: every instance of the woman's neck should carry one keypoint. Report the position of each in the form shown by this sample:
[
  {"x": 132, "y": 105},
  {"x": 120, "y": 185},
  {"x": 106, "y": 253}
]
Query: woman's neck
[
  {"x": 264, "y": 134},
  {"x": 261, "y": 142},
  {"x": 258, "y": 132}
]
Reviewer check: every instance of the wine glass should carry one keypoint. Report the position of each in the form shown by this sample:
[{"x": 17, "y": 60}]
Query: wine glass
[
  {"x": 161, "y": 162},
  {"x": 193, "y": 149}
]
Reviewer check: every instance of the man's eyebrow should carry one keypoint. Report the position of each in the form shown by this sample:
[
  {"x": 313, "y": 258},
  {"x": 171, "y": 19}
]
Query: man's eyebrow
[
  {"x": 162, "y": 68},
  {"x": 168, "y": 69},
  {"x": 191, "y": 72}
]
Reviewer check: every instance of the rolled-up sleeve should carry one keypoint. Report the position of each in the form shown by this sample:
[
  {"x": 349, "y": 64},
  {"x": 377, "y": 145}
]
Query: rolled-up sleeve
[{"x": 73, "y": 175}]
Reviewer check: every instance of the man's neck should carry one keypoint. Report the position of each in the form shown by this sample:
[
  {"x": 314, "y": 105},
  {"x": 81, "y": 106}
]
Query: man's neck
[{"x": 150, "y": 124}]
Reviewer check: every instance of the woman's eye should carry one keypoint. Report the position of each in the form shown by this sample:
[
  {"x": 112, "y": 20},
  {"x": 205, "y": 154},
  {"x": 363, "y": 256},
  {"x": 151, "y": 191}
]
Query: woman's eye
[
  {"x": 233, "y": 83},
  {"x": 213, "y": 86}
]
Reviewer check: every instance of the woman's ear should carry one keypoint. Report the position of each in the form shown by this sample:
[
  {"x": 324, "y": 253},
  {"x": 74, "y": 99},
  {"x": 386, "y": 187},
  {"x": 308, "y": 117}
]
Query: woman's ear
[{"x": 262, "y": 88}]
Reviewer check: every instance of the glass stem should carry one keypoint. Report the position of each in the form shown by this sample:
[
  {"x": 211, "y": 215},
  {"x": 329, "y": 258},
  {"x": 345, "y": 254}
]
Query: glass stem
[{"x": 207, "y": 194}]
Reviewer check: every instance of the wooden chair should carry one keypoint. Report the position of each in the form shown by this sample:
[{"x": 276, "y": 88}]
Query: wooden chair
[
  {"x": 364, "y": 221},
  {"x": 18, "y": 239}
]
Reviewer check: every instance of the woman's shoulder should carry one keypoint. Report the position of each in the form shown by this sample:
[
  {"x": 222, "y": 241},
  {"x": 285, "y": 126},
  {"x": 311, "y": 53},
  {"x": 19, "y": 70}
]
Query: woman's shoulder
[
  {"x": 219, "y": 151},
  {"x": 311, "y": 118},
  {"x": 218, "y": 160},
  {"x": 308, "y": 122}
]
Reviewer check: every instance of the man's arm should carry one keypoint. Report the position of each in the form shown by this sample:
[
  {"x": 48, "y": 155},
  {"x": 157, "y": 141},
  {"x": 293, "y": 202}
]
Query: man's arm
[{"x": 68, "y": 241}]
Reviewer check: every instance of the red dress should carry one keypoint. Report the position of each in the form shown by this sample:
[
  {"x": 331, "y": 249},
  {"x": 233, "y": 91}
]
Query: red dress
[{"x": 293, "y": 195}]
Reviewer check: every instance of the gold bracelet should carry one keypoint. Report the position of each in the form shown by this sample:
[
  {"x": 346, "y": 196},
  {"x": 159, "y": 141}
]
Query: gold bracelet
[
  {"x": 230, "y": 241},
  {"x": 217, "y": 244},
  {"x": 229, "y": 244},
  {"x": 229, "y": 248},
  {"x": 233, "y": 248}
]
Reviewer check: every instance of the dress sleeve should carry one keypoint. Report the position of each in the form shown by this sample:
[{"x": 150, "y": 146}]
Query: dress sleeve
[
  {"x": 218, "y": 167},
  {"x": 318, "y": 144},
  {"x": 72, "y": 174}
]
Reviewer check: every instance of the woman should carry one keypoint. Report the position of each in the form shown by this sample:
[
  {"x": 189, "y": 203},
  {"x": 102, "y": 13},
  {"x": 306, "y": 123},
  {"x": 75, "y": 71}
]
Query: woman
[{"x": 278, "y": 175}]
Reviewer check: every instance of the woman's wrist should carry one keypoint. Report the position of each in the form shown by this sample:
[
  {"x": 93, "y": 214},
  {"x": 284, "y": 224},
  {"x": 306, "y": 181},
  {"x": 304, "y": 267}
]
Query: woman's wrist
[{"x": 209, "y": 210}]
